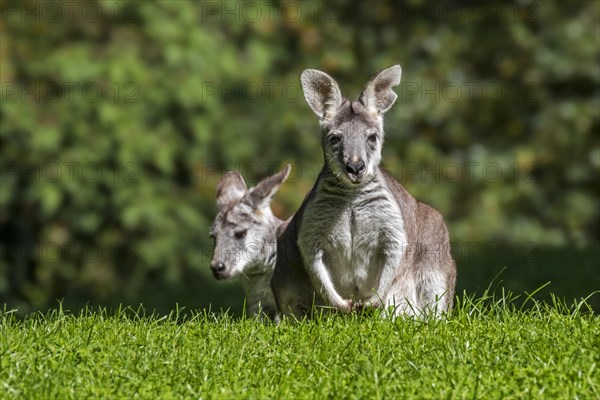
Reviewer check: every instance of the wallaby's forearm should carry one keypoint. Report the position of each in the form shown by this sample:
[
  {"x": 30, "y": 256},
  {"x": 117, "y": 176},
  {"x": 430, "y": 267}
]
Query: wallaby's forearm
[{"x": 321, "y": 281}]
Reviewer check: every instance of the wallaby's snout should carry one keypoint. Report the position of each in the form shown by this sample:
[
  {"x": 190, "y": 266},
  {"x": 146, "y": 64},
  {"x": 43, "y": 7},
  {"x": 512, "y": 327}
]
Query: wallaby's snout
[
  {"x": 356, "y": 170},
  {"x": 218, "y": 270}
]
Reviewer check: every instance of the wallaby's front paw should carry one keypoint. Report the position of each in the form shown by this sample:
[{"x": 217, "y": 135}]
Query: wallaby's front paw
[
  {"x": 358, "y": 305},
  {"x": 371, "y": 304},
  {"x": 345, "y": 306}
]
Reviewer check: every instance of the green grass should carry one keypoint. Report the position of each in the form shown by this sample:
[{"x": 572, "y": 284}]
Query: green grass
[{"x": 488, "y": 348}]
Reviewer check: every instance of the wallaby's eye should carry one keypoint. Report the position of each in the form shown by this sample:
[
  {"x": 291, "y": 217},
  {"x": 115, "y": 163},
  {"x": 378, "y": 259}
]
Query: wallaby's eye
[
  {"x": 211, "y": 235},
  {"x": 373, "y": 138},
  {"x": 240, "y": 234},
  {"x": 334, "y": 139}
]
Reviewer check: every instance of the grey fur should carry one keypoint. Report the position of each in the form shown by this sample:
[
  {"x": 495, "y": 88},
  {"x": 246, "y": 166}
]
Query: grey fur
[
  {"x": 245, "y": 237},
  {"x": 359, "y": 238}
]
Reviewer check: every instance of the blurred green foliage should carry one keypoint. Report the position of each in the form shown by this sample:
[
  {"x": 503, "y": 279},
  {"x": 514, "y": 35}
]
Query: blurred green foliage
[{"x": 118, "y": 119}]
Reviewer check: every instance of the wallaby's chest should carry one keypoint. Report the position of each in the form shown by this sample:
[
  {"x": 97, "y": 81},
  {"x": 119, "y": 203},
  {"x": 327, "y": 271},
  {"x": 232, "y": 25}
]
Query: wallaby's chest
[{"x": 354, "y": 236}]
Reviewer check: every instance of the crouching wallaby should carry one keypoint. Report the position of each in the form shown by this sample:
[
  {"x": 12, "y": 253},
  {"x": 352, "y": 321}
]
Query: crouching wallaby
[
  {"x": 360, "y": 239},
  {"x": 244, "y": 231}
]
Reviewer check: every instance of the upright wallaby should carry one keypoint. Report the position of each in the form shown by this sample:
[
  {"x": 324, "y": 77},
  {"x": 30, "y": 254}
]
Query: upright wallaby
[
  {"x": 359, "y": 238},
  {"x": 244, "y": 231}
]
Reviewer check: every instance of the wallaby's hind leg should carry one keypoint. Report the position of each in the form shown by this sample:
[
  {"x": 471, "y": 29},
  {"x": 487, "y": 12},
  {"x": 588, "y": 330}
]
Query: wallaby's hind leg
[
  {"x": 424, "y": 290},
  {"x": 401, "y": 301},
  {"x": 435, "y": 293},
  {"x": 296, "y": 306}
]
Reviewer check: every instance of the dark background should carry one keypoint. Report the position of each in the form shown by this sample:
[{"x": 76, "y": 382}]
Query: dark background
[{"x": 119, "y": 118}]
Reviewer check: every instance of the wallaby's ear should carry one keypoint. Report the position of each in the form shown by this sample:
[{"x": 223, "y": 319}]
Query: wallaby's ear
[
  {"x": 231, "y": 188},
  {"x": 322, "y": 93},
  {"x": 378, "y": 96},
  {"x": 262, "y": 193}
]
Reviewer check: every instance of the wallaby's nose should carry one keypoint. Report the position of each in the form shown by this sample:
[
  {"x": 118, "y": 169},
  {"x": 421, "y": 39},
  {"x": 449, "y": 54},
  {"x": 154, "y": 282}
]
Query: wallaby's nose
[
  {"x": 355, "y": 168},
  {"x": 217, "y": 267}
]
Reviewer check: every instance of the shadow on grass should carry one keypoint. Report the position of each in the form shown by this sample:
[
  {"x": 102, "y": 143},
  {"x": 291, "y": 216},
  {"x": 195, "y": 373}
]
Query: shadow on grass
[
  {"x": 196, "y": 291},
  {"x": 573, "y": 274}
]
